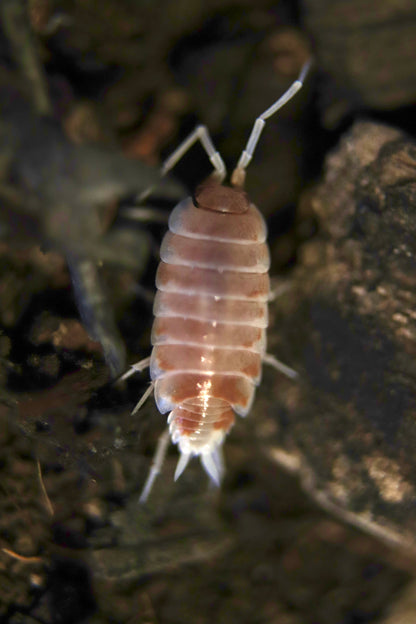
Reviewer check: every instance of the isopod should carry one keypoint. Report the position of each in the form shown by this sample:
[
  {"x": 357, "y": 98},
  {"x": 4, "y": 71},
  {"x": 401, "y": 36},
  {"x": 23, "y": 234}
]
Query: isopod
[{"x": 209, "y": 332}]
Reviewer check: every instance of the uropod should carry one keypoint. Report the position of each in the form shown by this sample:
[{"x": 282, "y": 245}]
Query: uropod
[{"x": 209, "y": 331}]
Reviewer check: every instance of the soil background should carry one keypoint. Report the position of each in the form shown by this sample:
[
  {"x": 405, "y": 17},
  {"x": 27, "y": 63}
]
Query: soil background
[{"x": 94, "y": 95}]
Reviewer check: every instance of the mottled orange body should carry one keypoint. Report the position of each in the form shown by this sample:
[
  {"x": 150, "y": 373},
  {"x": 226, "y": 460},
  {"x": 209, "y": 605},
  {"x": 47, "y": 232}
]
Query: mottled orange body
[
  {"x": 209, "y": 333},
  {"x": 210, "y": 318}
]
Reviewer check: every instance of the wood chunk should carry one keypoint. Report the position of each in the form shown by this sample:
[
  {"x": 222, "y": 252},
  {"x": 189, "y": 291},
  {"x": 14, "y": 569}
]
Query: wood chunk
[{"x": 350, "y": 323}]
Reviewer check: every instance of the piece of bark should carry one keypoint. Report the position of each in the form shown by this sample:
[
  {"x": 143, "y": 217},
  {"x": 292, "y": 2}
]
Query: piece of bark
[{"x": 348, "y": 326}]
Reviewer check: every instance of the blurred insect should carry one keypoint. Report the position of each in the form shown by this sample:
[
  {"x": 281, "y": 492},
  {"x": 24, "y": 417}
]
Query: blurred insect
[{"x": 209, "y": 334}]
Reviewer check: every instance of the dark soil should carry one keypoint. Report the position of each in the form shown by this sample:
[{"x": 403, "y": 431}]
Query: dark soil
[{"x": 134, "y": 78}]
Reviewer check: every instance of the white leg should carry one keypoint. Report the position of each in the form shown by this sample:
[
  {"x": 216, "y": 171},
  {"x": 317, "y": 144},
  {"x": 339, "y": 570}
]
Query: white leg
[
  {"x": 238, "y": 175},
  {"x": 145, "y": 214},
  {"x": 143, "y": 399},
  {"x": 157, "y": 463},
  {"x": 278, "y": 288},
  {"x": 278, "y": 365},
  {"x": 138, "y": 367}
]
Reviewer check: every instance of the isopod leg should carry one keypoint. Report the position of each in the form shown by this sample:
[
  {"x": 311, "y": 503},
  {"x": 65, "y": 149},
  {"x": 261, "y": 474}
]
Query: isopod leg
[
  {"x": 145, "y": 214},
  {"x": 278, "y": 365},
  {"x": 277, "y": 288},
  {"x": 138, "y": 367},
  {"x": 157, "y": 463},
  {"x": 143, "y": 399}
]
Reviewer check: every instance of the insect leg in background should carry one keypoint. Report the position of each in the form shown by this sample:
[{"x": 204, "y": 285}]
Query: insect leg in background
[{"x": 209, "y": 332}]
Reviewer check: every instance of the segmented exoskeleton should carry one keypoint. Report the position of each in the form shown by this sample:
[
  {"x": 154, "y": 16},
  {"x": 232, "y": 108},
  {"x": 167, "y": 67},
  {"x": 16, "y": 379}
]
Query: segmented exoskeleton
[{"x": 209, "y": 333}]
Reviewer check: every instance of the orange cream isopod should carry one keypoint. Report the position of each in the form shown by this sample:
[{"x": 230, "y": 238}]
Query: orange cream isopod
[{"x": 209, "y": 332}]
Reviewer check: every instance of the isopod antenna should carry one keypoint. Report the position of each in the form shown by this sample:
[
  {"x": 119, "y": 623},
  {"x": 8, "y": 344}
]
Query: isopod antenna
[{"x": 239, "y": 173}]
